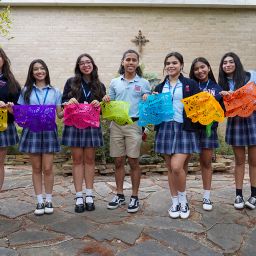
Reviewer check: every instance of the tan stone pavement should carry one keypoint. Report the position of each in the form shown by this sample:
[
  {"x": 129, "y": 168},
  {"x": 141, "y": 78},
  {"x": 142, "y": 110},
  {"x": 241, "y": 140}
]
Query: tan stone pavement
[{"x": 223, "y": 231}]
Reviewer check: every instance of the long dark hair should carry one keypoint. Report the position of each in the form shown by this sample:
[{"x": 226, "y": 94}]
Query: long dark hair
[
  {"x": 31, "y": 79},
  {"x": 238, "y": 76},
  {"x": 94, "y": 83},
  {"x": 177, "y": 55},
  {"x": 206, "y": 62},
  {"x": 12, "y": 83},
  {"x": 121, "y": 70}
]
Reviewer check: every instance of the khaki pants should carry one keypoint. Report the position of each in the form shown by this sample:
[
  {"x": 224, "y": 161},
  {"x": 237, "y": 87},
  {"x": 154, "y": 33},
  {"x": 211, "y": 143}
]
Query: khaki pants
[{"x": 125, "y": 140}]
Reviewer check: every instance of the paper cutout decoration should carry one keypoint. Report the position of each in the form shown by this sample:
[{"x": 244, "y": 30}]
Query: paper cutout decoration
[
  {"x": 156, "y": 109},
  {"x": 242, "y": 102},
  {"x": 208, "y": 129},
  {"x": 117, "y": 111},
  {"x": 36, "y": 118},
  {"x": 203, "y": 108},
  {"x": 81, "y": 115},
  {"x": 3, "y": 119}
]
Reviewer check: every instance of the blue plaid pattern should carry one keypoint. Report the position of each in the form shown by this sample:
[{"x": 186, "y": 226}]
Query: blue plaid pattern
[
  {"x": 172, "y": 139},
  {"x": 83, "y": 138},
  {"x": 241, "y": 131},
  {"x": 208, "y": 142},
  {"x": 9, "y": 137},
  {"x": 39, "y": 142}
]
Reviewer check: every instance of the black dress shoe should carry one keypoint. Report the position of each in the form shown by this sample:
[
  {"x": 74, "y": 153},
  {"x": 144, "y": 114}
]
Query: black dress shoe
[
  {"x": 79, "y": 207},
  {"x": 89, "y": 206},
  {"x": 48, "y": 208}
]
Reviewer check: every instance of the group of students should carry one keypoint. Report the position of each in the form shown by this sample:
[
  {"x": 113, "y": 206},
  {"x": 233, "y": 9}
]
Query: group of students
[{"x": 176, "y": 139}]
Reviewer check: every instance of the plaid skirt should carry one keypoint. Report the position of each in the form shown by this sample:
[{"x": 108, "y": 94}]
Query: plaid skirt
[
  {"x": 9, "y": 137},
  {"x": 39, "y": 142},
  {"x": 83, "y": 138},
  {"x": 208, "y": 142},
  {"x": 172, "y": 139},
  {"x": 241, "y": 131}
]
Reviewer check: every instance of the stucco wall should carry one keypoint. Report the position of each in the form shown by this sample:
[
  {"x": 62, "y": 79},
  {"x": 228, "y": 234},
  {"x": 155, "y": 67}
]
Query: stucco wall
[{"x": 60, "y": 34}]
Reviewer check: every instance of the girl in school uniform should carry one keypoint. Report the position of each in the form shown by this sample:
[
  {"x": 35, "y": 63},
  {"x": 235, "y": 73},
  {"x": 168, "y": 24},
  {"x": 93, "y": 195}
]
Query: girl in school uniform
[
  {"x": 240, "y": 131},
  {"x": 41, "y": 146},
  {"x": 9, "y": 94},
  {"x": 84, "y": 87},
  {"x": 177, "y": 139},
  {"x": 201, "y": 72}
]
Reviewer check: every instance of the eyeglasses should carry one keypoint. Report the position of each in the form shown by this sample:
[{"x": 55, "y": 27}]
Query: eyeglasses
[{"x": 83, "y": 63}]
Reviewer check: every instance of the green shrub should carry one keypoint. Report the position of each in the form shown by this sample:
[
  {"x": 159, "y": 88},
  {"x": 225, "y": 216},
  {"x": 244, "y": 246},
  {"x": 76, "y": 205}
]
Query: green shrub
[
  {"x": 14, "y": 150},
  {"x": 224, "y": 148},
  {"x": 102, "y": 153}
]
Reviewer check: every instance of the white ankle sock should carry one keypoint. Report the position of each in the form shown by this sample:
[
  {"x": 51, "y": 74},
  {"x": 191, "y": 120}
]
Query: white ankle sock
[
  {"x": 182, "y": 197},
  {"x": 79, "y": 200},
  {"x": 89, "y": 192},
  {"x": 175, "y": 200},
  {"x": 40, "y": 199},
  {"x": 89, "y": 199},
  {"x": 48, "y": 197},
  {"x": 207, "y": 194}
]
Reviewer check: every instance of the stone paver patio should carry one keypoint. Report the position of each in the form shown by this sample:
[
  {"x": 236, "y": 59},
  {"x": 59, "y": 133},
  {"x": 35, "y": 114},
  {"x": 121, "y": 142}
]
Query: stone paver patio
[{"x": 223, "y": 231}]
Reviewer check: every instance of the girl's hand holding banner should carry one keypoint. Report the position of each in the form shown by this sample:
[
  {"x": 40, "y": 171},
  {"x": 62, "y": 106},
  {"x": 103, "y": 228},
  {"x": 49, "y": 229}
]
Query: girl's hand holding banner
[
  {"x": 203, "y": 108},
  {"x": 81, "y": 115},
  {"x": 242, "y": 102},
  {"x": 117, "y": 111},
  {"x": 3, "y": 119},
  {"x": 156, "y": 109},
  {"x": 35, "y": 117}
]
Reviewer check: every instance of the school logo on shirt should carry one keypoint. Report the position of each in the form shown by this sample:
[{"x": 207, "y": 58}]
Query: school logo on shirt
[
  {"x": 137, "y": 88},
  {"x": 187, "y": 89},
  {"x": 212, "y": 92}
]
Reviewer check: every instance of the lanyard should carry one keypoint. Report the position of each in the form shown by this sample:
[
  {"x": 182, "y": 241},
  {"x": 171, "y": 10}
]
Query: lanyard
[
  {"x": 231, "y": 84},
  {"x": 204, "y": 88},
  {"x": 86, "y": 95},
  {"x": 45, "y": 96},
  {"x": 172, "y": 90}
]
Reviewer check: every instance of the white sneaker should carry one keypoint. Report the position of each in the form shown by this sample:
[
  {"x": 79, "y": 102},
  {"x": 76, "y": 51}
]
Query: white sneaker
[
  {"x": 239, "y": 202},
  {"x": 207, "y": 204},
  {"x": 117, "y": 201},
  {"x": 251, "y": 203},
  {"x": 184, "y": 211},
  {"x": 174, "y": 211},
  {"x": 133, "y": 205}
]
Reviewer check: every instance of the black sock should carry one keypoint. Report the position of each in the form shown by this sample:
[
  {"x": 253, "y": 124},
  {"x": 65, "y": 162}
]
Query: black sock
[
  {"x": 253, "y": 191},
  {"x": 136, "y": 197},
  {"x": 120, "y": 195},
  {"x": 239, "y": 192}
]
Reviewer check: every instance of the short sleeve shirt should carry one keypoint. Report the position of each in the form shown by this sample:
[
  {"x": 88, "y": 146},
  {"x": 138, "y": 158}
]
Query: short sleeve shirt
[
  {"x": 129, "y": 91},
  {"x": 53, "y": 97}
]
